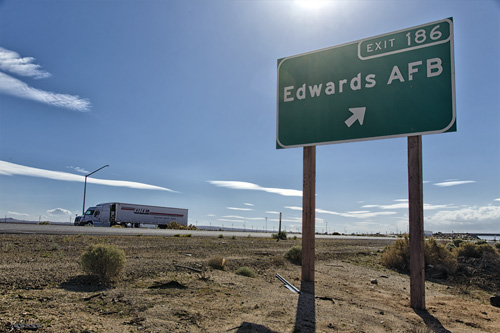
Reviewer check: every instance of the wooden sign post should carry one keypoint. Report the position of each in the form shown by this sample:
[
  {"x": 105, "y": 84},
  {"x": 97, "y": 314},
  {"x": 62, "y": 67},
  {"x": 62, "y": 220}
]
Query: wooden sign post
[
  {"x": 416, "y": 217},
  {"x": 308, "y": 213}
]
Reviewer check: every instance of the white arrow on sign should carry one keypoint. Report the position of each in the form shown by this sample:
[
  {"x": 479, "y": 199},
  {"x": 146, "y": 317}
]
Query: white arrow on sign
[{"x": 357, "y": 114}]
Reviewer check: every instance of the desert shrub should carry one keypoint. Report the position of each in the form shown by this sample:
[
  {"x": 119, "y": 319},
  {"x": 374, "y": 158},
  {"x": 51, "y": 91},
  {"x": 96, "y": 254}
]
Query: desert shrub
[
  {"x": 497, "y": 245},
  {"x": 397, "y": 255},
  {"x": 44, "y": 223},
  {"x": 220, "y": 236},
  {"x": 481, "y": 242},
  {"x": 294, "y": 254},
  {"x": 277, "y": 260},
  {"x": 479, "y": 265},
  {"x": 217, "y": 262},
  {"x": 175, "y": 225},
  {"x": 103, "y": 261},
  {"x": 246, "y": 271},
  {"x": 280, "y": 235},
  {"x": 471, "y": 250},
  {"x": 450, "y": 246},
  {"x": 487, "y": 250},
  {"x": 438, "y": 259},
  {"x": 457, "y": 242}
]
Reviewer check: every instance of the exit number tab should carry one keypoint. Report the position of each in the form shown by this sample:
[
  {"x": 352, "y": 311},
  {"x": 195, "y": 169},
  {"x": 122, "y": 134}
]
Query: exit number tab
[{"x": 407, "y": 40}]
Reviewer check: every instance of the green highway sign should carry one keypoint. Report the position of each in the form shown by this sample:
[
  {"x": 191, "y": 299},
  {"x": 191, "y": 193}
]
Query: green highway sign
[{"x": 393, "y": 85}]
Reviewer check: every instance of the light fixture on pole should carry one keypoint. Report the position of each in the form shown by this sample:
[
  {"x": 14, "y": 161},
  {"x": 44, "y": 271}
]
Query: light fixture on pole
[{"x": 85, "y": 188}]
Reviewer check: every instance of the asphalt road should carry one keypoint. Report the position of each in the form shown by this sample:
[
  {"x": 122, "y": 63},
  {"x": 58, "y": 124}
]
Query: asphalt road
[{"x": 64, "y": 229}]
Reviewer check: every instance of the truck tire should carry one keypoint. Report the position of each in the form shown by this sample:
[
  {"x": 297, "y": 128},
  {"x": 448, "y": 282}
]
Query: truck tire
[{"x": 137, "y": 225}]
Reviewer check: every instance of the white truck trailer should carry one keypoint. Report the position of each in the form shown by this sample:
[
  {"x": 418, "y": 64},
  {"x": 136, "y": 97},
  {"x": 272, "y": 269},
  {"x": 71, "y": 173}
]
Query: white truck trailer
[{"x": 131, "y": 215}]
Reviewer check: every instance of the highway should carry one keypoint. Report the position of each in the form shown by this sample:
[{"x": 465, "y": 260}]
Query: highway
[{"x": 65, "y": 229}]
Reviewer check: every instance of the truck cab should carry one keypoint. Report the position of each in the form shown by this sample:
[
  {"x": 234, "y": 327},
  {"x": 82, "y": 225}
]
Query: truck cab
[{"x": 87, "y": 218}]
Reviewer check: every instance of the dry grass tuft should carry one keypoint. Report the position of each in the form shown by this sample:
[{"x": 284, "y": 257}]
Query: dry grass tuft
[
  {"x": 294, "y": 254},
  {"x": 217, "y": 262},
  {"x": 246, "y": 271}
]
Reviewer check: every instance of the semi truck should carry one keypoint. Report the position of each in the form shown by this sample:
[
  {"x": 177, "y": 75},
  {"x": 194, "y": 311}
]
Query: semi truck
[{"x": 131, "y": 215}]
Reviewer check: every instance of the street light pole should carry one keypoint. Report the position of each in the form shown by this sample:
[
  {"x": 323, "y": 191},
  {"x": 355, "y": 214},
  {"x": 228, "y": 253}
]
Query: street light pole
[{"x": 85, "y": 187}]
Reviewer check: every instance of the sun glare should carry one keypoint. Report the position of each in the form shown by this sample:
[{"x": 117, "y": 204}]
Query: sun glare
[{"x": 311, "y": 4}]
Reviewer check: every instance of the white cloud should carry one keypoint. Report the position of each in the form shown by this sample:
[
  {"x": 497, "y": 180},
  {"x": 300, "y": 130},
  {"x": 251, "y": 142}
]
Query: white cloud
[
  {"x": 230, "y": 220},
  {"x": 236, "y": 208},
  {"x": 433, "y": 207},
  {"x": 15, "y": 87},
  {"x": 243, "y": 218},
  {"x": 404, "y": 205},
  {"x": 11, "y": 61},
  {"x": 489, "y": 212},
  {"x": 290, "y": 220},
  {"x": 454, "y": 183},
  {"x": 80, "y": 170},
  {"x": 358, "y": 214},
  {"x": 124, "y": 183},
  {"x": 59, "y": 212},
  {"x": 248, "y": 204},
  {"x": 17, "y": 214},
  {"x": 233, "y": 217},
  {"x": 272, "y": 212},
  {"x": 11, "y": 169},
  {"x": 365, "y": 223},
  {"x": 497, "y": 199},
  {"x": 238, "y": 185},
  {"x": 467, "y": 219}
]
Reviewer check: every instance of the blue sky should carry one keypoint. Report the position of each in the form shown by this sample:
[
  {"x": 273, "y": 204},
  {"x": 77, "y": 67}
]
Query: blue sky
[{"x": 179, "y": 98}]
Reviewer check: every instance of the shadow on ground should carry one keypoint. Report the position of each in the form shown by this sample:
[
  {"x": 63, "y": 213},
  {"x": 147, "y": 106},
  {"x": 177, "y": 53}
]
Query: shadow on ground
[
  {"x": 84, "y": 284},
  {"x": 305, "y": 319},
  {"x": 252, "y": 328},
  {"x": 431, "y": 322}
]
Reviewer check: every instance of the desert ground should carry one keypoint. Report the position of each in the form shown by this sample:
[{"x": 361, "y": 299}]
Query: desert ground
[{"x": 168, "y": 286}]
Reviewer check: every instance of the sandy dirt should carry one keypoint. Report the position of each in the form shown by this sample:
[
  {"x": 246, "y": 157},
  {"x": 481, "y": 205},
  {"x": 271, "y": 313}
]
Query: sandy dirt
[{"x": 43, "y": 288}]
